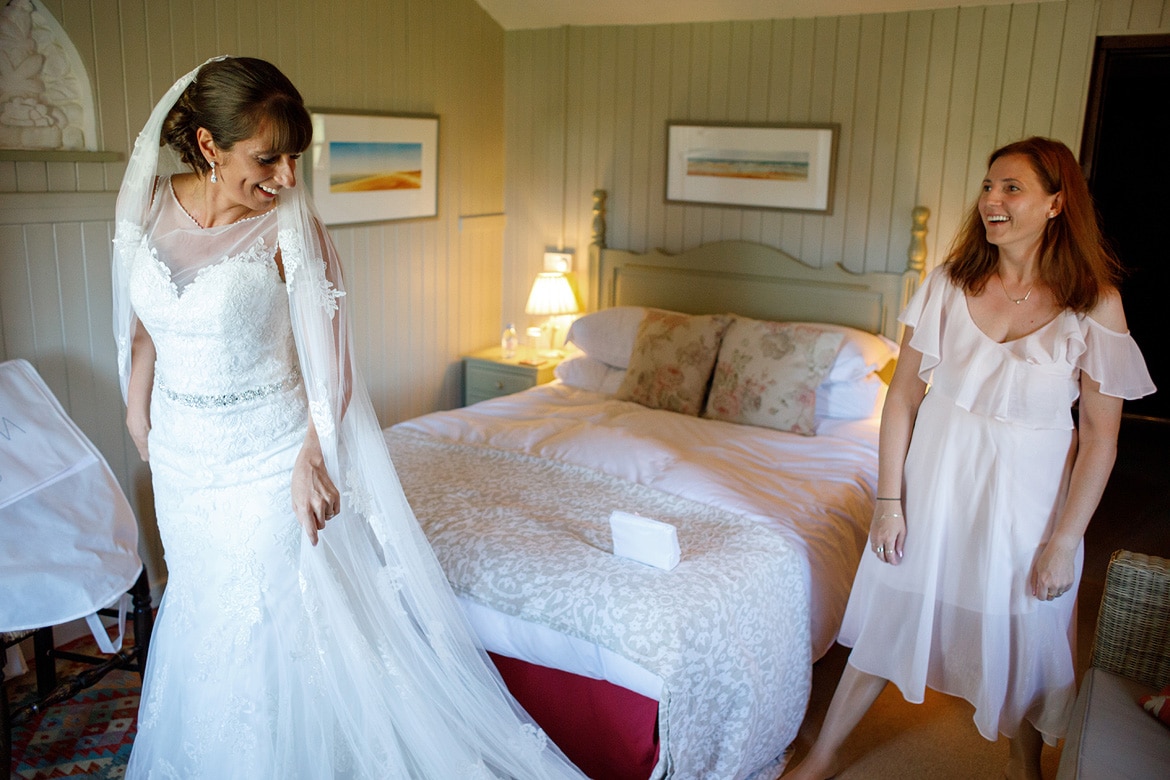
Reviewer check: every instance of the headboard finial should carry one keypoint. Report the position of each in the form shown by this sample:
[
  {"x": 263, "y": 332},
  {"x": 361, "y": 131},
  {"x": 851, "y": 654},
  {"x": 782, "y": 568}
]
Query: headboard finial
[
  {"x": 917, "y": 253},
  {"x": 599, "y": 218}
]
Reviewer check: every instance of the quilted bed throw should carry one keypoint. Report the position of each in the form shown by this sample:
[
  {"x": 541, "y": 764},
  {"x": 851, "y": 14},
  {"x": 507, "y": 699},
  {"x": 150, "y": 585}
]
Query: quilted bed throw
[{"x": 727, "y": 630}]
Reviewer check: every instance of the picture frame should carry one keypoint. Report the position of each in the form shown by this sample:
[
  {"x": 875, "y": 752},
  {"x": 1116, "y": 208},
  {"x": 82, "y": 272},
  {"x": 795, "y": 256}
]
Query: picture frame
[
  {"x": 788, "y": 167},
  {"x": 374, "y": 167}
]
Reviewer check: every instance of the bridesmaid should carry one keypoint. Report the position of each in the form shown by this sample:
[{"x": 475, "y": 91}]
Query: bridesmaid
[{"x": 987, "y": 483}]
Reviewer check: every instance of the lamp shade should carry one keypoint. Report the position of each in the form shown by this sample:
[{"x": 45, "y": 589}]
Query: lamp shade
[{"x": 551, "y": 295}]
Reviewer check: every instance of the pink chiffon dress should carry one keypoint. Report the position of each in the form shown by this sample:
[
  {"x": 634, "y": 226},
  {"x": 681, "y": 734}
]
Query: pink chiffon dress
[{"x": 985, "y": 478}]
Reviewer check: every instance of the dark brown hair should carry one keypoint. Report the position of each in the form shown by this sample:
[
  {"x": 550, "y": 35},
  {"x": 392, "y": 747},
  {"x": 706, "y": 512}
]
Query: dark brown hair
[
  {"x": 1075, "y": 261},
  {"x": 231, "y": 98}
]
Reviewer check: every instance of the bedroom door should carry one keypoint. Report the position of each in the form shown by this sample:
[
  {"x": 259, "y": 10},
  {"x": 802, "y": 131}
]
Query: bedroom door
[{"x": 1126, "y": 157}]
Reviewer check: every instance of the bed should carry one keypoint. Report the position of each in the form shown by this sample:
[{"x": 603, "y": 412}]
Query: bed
[{"x": 704, "y": 669}]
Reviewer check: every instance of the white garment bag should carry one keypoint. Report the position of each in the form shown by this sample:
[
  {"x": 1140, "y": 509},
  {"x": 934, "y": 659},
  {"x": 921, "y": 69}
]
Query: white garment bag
[{"x": 68, "y": 538}]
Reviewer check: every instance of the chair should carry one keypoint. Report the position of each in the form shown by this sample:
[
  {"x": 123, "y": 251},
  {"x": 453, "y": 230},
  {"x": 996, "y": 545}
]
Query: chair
[
  {"x": 50, "y": 689},
  {"x": 1109, "y": 735},
  {"x": 68, "y": 544}
]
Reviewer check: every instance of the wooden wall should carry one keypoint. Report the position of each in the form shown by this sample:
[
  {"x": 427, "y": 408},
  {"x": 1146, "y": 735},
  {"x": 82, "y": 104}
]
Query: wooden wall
[
  {"x": 1134, "y": 17},
  {"x": 424, "y": 292},
  {"x": 921, "y": 98}
]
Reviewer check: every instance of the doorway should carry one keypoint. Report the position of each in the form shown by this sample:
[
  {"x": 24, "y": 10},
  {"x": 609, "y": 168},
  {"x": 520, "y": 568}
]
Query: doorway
[{"x": 1126, "y": 158}]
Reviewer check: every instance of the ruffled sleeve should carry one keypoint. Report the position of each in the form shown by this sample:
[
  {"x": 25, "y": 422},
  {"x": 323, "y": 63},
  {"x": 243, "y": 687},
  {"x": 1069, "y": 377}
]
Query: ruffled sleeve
[
  {"x": 926, "y": 314},
  {"x": 1114, "y": 360}
]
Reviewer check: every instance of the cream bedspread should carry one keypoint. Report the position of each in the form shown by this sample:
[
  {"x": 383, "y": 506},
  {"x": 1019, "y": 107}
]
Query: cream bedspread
[
  {"x": 815, "y": 491},
  {"x": 726, "y": 630}
]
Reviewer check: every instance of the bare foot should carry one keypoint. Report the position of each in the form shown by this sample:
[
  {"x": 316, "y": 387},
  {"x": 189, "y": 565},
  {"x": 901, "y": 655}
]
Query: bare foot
[{"x": 813, "y": 769}]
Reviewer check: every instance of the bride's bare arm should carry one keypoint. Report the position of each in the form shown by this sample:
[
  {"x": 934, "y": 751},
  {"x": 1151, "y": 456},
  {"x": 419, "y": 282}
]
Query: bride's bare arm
[{"x": 139, "y": 389}]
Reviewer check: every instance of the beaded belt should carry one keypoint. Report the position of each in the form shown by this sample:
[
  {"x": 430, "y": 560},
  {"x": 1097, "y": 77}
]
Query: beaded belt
[{"x": 199, "y": 401}]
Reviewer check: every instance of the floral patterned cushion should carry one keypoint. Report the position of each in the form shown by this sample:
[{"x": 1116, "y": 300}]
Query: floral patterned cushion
[
  {"x": 1158, "y": 704},
  {"x": 670, "y": 366},
  {"x": 768, "y": 373}
]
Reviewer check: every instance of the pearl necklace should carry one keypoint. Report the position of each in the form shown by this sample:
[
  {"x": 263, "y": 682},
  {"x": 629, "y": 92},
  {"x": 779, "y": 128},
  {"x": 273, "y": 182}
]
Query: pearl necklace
[{"x": 1016, "y": 301}]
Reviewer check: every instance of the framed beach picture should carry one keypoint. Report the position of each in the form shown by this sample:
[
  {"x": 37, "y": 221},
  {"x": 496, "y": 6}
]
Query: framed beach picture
[
  {"x": 787, "y": 167},
  {"x": 372, "y": 168}
]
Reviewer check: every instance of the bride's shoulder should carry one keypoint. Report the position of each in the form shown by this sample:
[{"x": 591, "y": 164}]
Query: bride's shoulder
[{"x": 180, "y": 183}]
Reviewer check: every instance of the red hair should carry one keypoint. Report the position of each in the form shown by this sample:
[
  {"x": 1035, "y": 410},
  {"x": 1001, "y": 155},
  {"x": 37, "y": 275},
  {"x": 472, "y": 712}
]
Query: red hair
[{"x": 1076, "y": 263}]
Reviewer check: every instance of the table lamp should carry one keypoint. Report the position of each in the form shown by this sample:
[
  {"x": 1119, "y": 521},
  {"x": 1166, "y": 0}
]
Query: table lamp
[{"x": 552, "y": 296}]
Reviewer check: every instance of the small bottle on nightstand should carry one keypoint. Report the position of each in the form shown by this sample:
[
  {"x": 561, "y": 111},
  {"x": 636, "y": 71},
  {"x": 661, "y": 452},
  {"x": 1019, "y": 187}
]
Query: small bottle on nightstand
[
  {"x": 508, "y": 342},
  {"x": 532, "y": 346}
]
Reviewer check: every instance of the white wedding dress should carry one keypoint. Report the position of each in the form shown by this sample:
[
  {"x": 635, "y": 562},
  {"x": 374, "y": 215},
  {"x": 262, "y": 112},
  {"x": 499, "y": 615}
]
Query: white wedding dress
[{"x": 272, "y": 658}]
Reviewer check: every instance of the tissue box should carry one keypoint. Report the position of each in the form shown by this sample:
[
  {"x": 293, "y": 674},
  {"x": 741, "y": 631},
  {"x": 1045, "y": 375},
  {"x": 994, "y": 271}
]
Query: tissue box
[{"x": 644, "y": 540}]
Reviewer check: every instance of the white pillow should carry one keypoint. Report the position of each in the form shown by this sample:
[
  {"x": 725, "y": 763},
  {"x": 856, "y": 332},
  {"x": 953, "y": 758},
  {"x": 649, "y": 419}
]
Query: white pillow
[
  {"x": 607, "y": 335},
  {"x": 858, "y": 399},
  {"x": 861, "y": 353},
  {"x": 586, "y": 373}
]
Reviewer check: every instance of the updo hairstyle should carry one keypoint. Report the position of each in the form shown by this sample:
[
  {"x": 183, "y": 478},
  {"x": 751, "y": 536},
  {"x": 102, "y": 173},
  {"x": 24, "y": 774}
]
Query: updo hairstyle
[{"x": 231, "y": 98}]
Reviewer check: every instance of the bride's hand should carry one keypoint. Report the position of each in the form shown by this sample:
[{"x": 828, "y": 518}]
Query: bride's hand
[
  {"x": 314, "y": 496},
  {"x": 139, "y": 427}
]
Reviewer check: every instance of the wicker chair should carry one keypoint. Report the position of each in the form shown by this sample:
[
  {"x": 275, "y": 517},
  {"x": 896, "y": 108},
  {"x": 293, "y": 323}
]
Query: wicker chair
[{"x": 1109, "y": 735}]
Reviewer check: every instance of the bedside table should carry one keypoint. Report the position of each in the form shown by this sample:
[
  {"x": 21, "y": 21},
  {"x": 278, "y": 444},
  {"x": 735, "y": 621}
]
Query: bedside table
[{"x": 488, "y": 375}]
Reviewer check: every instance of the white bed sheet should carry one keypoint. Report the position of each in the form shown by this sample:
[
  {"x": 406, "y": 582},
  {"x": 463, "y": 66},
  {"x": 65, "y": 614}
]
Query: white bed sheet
[{"x": 816, "y": 491}]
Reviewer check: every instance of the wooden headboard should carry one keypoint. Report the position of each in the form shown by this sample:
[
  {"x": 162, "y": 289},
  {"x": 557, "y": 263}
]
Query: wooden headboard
[{"x": 755, "y": 280}]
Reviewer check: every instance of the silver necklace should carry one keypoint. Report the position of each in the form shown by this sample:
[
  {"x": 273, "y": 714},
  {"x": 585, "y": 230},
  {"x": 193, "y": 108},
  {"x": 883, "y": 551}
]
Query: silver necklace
[{"x": 1016, "y": 301}]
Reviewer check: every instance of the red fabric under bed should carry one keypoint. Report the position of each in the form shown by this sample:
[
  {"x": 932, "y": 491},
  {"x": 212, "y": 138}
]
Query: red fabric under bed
[{"x": 609, "y": 732}]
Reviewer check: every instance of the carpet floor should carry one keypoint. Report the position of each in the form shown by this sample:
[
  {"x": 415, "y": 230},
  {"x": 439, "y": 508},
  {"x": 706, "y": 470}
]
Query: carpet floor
[{"x": 88, "y": 736}]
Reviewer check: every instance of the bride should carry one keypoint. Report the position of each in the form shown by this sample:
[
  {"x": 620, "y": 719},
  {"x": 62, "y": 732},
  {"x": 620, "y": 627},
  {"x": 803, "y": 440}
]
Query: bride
[{"x": 346, "y": 656}]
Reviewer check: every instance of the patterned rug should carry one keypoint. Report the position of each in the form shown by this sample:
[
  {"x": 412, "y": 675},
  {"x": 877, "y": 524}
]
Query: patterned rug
[{"x": 88, "y": 736}]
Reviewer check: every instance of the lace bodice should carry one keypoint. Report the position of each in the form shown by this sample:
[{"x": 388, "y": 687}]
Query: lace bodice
[{"x": 214, "y": 304}]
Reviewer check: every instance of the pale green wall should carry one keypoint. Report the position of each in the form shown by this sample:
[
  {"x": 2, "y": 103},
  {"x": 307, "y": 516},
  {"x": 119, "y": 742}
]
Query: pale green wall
[{"x": 921, "y": 98}]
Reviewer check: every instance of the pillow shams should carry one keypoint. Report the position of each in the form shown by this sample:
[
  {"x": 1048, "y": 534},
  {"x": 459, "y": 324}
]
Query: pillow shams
[
  {"x": 768, "y": 372},
  {"x": 861, "y": 353},
  {"x": 670, "y": 366},
  {"x": 859, "y": 399},
  {"x": 849, "y": 391},
  {"x": 608, "y": 335}
]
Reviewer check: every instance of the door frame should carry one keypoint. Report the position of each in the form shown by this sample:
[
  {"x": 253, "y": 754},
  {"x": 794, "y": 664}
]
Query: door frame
[{"x": 1105, "y": 48}]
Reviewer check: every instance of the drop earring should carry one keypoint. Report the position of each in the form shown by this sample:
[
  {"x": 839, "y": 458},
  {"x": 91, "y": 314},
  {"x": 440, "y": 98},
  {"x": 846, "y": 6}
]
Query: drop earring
[{"x": 213, "y": 179}]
